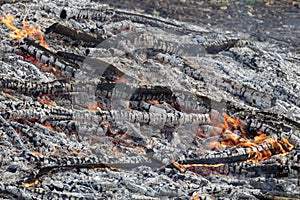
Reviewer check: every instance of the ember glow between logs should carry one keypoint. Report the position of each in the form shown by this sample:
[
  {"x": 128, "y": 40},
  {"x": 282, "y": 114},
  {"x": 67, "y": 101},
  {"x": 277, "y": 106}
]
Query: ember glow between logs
[
  {"x": 33, "y": 32},
  {"x": 233, "y": 135},
  {"x": 93, "y": 106},
  {"x": 35, "y": 182}
]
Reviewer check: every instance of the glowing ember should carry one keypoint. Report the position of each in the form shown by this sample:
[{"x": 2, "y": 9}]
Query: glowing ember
[
  {"x": 34, "y": 61},
  {"x": 196, "y": 196},
  {"x": 153, "y": 101},
  {"x": 93, "y": 106},
  {"x": 36, "y": 181},
  {"x": 45, "y": 99},
  {"x": 33, "y": 32},
  {"x": 50, "y": 127},
  {"x": 103, "y": 168},
  {"x": 121, "y": 79},
  {"x": 203, "y": 165},
  {"x": 180, "y": 168},
  {"x": 36, "y": 153},
  {"x": 54, "y": 70},
  {"x": 79, "y": 154}
]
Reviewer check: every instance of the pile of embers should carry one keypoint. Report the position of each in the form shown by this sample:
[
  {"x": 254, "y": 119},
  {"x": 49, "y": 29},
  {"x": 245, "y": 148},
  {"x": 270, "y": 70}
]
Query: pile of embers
[{"x": 98, "y": 102}]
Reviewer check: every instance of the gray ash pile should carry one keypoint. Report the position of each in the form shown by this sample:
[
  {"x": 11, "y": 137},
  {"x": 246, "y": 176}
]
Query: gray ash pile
[{"x": 104, "y": 103}]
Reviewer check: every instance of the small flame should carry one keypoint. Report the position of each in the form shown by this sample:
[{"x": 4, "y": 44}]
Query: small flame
[
  {"x": 234, "y": 123},
  {"x": 230, "y": 122},
  {"x": 33, "y": 32},
  {"x": 98, "y": 168},
  {"x": 287, "y": 143},
  {"x": 35, "y": 182},
  {"x": 260, "y": 137}
]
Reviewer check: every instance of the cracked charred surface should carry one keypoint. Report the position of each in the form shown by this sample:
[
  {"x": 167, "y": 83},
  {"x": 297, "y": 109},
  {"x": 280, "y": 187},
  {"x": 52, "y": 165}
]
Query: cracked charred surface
[{"x": 128, "y": 105}]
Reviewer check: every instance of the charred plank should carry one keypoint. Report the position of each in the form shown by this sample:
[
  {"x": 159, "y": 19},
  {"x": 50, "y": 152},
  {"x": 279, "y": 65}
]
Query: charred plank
[{"x": 88, "y": 39}]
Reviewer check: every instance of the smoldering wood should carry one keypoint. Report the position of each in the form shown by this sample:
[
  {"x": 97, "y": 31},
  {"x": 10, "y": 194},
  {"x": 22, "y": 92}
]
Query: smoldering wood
[
  {"x": 226, "y": 156},
  {"x": 185, "y": 93},
  {"x": 103, "y": 88},
  {"x": 257, "y": 124},
  {"x": 49, "y": 58},
  {"x": 175, "y": 118}
]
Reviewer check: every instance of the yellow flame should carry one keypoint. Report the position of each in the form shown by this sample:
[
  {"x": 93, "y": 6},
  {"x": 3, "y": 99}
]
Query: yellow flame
[{"x": 33, "y": 32}]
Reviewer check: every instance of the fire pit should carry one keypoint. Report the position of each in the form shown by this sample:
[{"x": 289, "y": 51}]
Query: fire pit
[{"x": 98, "y": 102}]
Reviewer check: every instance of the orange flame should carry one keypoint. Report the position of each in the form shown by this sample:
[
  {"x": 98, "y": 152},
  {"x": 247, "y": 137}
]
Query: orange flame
[
  {"x": 234, "y": 123},
  {"x": 231, "y": 122},
  {"x": 33, "y": 32},
  {"x": 287, "y": 143},
  {"x": 234, "y": 136}
]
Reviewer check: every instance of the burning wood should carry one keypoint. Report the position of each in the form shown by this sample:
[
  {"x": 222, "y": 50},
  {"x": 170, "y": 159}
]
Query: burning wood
[
  {"x": 235, "y": 136},
  {"x": 33, "y": 32},
  {"x": 203, "y": 121}
]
